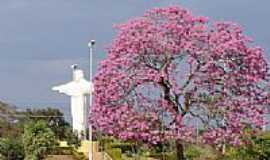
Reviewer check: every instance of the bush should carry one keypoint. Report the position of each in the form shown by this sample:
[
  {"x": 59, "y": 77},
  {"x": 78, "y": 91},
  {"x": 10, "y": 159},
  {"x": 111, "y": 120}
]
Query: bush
[
  {"x": 62, "y": 150},
  {"x": 110, "y": 146},
  {"x": 193, "y": 152},
  {"x": 125, "y": 147},
  {"x": 115, "y": 153},
  {"x": 105, "y": 143},
  {"x": 72, "y": 138},
  {"x": 38, "y": 140},
  {"x": 79, "y": 156},
  {"x": 201, "y": 152},
  {"x": 11, "y": 149},
  {"x": 257, "y": 148},
  {"x": 164, "y": 156}
]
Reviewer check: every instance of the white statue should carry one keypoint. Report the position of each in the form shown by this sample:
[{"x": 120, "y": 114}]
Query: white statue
[{"x": 78, "y": 90}]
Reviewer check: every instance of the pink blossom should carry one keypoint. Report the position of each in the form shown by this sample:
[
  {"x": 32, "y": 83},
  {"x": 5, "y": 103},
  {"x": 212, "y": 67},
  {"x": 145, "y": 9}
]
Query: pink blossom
[{"x": 143, "y": 93}]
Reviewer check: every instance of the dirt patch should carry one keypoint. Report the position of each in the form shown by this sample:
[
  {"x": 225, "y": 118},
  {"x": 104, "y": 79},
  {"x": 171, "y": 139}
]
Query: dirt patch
[{"x": 60, "y": 157}]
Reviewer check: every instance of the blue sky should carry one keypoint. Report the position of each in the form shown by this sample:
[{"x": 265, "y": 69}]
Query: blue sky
[{"x": 40, "y": 39}]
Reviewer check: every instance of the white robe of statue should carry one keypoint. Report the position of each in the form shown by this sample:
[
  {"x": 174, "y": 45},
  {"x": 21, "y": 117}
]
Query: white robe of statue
[{"x": 78, "y": 90}]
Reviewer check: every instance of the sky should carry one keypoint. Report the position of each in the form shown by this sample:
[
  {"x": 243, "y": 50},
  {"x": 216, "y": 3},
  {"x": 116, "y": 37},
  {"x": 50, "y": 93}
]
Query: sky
[{"x": 40, "y": 39}]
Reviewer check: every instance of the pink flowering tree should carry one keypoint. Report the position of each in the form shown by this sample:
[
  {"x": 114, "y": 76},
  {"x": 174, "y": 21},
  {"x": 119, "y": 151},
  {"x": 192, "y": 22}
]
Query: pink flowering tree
[{"x": 169, "y": 70}]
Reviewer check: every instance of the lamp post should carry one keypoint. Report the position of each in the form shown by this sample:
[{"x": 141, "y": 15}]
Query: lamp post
[{"x": 91, "y": 48}]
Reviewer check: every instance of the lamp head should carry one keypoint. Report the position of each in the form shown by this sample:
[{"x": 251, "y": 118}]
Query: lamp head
[{"x": 91, "y": 43}]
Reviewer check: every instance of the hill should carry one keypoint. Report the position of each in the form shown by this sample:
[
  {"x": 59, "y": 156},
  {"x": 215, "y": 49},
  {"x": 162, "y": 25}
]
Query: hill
[{"x": 8, "y": 120}]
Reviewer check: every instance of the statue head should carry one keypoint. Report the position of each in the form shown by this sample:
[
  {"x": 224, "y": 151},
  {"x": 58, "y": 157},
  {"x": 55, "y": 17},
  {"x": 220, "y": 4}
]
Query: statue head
[{"x": 77, "y": 74}]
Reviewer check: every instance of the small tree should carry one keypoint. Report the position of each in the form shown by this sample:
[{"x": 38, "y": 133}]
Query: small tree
[
  {"x": 56, "y": 122},
  {"x": 54, "y": 118},
  {"x": 38, "y": 140},
  {"x": 167, "y": 69}
]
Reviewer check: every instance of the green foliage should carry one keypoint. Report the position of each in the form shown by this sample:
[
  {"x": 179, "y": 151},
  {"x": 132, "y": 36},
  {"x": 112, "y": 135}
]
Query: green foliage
[
  {"x": 200, "y": 152},
  {"x": 256, "y": 148},
  {"x": 38, "y": 140},
  {"x": 265, "y": 141},
  {"x": 69, "y": 151},
  {"x": 114, "y": 147},
  {"x": 56, "y": 122},
  {"x": 11, "y": 149},
  {"x": 125, "y": 147},
  {"x": 115, "y": 153},
  {"x": 62, "y": 151},
  {"x": 71, "y": 137},
  {"x": 259, "y": 149},
  {"x": 78, "y": 155},
  {"x": 53, "y": 117},
  {"x": 105, "y": 143},
  {"x": 31, "y": 157},
  {"x": 192, "y": 152}
]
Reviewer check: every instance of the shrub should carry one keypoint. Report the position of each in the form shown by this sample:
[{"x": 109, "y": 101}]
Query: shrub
[
  {"x": 62, "y": 150},
  {"x": 115, "y": 153},
  {"x": 78, "y": 155},
  {"x": 193, "y": 152},
  {"x": 72, "y": 138},
  {"x": 125, "y": 147},
  {"x": 257, "y": 148},
  {"x": 11, "y": 149},
  {"x": 38, "y": 140},
  {"x": 104, "y": 143},
  {"x": 201, "y": 152}
]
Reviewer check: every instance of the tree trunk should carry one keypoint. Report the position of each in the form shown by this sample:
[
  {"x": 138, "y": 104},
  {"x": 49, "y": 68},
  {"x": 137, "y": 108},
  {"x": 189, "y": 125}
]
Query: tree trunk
[
  {"x": 167, "y": 96},
  {"x": 179, "y": 151}
]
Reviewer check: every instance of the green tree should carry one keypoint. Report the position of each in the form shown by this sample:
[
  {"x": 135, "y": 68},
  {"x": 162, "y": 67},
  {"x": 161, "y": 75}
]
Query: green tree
[
  {"x": 11, "y": 149},
  {"x": 53, "y": 117},
  {"x": 56, "y": 121},
  {"x": 38, "y": 140}
]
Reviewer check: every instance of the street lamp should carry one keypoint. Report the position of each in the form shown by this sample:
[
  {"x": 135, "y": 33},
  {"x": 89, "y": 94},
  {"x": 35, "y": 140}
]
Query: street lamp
[{"x": 91, "y": 48}]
